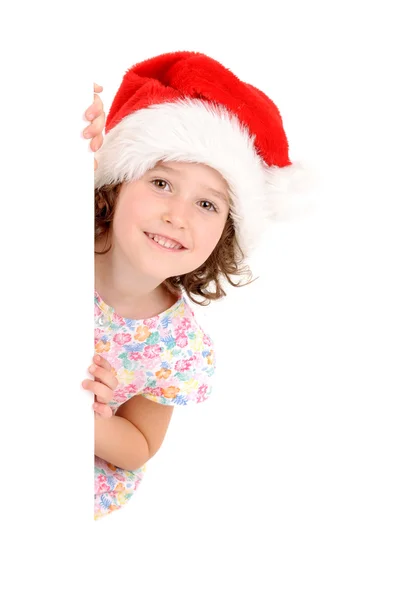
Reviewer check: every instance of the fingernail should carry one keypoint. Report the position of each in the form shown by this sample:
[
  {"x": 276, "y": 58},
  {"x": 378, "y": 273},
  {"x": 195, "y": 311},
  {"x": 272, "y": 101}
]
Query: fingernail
[
  {"x": 97, "y": 359},
  {"x": 86, "y": 134},
  {"x": 90, "y": 117},
  {"x": 92, "y": 369}
]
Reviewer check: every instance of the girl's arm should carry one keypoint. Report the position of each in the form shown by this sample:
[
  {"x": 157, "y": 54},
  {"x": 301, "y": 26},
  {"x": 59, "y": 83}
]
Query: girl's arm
[
  {"x": 120, "y": 443},
  {"x": 134, "y": 435},
  {"x": 131, "y": 437},
  {"x": 117, "y": 439}
]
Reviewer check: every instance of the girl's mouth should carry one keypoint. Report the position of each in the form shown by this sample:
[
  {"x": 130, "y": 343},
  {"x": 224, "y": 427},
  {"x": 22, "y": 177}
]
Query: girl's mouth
[{"x": 164, "y": 242}]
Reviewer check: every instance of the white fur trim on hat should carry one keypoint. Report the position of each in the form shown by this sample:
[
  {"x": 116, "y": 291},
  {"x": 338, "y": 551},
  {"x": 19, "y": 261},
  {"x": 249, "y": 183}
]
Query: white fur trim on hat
[{"x": 201, "y": 132}]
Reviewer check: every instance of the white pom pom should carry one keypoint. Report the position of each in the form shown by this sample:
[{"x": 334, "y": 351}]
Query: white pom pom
[{"x": 290, "y": 191}]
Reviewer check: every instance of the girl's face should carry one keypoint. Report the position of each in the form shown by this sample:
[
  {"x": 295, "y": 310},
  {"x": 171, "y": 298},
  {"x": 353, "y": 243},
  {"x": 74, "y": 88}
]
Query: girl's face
[{"x": 168, "y": 222}]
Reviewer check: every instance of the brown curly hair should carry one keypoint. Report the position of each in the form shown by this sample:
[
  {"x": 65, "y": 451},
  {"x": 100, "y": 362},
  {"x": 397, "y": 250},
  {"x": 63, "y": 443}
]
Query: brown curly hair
[{"x": 225, "y": 261}]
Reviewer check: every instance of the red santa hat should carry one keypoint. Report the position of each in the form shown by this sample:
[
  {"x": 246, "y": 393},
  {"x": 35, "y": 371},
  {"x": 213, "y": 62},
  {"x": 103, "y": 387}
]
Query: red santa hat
[{"x": 185, "y": 106}]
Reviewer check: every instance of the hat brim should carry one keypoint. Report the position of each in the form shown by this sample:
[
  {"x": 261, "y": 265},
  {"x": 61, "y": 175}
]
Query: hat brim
[{"x": 192, "y": 130}]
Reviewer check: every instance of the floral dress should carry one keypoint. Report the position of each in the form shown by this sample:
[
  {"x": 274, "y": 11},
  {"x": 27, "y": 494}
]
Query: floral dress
[{"x": 167, "y": 359}]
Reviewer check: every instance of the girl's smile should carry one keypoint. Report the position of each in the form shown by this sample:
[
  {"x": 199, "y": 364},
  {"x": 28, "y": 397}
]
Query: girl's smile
[
  {"x": 185, "y": 215},
  {"x": 164, "y": 243}
]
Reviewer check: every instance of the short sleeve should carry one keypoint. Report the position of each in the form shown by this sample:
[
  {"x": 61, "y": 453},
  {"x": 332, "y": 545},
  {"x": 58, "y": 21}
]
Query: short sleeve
[{"x": 185, "y": 370}]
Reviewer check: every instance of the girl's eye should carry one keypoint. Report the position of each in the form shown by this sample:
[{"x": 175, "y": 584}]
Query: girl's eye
[
  {"x": 209, "y": 204},
  {"x": 156, "y": 181}
]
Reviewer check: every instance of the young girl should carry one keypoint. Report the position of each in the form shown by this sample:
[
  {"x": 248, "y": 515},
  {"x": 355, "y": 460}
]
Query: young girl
[{"x": 184, "y": 183}]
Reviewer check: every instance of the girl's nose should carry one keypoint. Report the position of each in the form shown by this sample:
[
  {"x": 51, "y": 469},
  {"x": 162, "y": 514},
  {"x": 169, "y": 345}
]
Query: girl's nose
[{"x": 176, "y": 213}]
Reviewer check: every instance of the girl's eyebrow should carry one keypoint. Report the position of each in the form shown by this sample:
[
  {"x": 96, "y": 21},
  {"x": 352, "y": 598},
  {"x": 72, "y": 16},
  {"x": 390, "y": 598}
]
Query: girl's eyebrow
[
  {"x": 218, "y": 194},
  {"x": 173, "y": 170},
  {"x": 165, "y": 168}
]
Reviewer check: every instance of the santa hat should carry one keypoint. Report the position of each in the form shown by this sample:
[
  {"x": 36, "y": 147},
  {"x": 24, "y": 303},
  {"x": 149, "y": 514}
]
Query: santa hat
[{"x": 185, "y": 106}]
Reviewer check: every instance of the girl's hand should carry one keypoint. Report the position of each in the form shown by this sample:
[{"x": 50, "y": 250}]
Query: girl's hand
[
  {"x": 102, "y": 387},
  {"x": 95, "y": 114}
]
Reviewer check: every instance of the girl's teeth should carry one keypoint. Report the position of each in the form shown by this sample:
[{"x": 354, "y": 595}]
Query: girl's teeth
[{"x": 164, "y": 242}]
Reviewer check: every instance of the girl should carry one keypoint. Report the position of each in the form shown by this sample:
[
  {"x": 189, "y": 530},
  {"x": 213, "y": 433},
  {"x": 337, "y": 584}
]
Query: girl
[{"x": 184, "y": 180}]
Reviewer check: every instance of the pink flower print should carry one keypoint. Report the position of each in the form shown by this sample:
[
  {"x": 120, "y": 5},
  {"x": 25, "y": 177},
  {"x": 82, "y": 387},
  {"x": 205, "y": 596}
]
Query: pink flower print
[
  {"x": 195, "y": 360},
  {"x": 123, "y": 391},
  {"x": 102, "y": 488},
  {"x": 119, "y": 395},
  {"x": 202, "y": 389},
  {"x": 97, "y": 310},
  {"x": 202, "y": 393},
  {"x": 179, "y": 331},
  {"x": 182, "y": 341},
  {"x": 98, "y": 333},
  {"x": 122, "y": 338},
  {"x": 117, "y": 319},
  {"x": 186, "y": 323},
  {"x": 134, "y": 355},
  {"x": 156, "y": 391},
  {"x": 152, "y": 351},
  {"x": 131, "y": 388},
  {"x": 102, "y": 485},
  {"x": 206, "y": 340},
  {"x": 151, "y": 323},
  {"x": 183, "y": 365}
]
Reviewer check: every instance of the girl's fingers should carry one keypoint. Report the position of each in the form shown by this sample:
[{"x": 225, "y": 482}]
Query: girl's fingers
[
  {"x": 95, "y": 128},
  {"x": 101, "y": 362},
  {"x": 103, "y": 392},
  {"x": 90, "y": 132},
  {"x": 98, "y": 105},
  {"x": 103, "y": 385},
  {"x": 99, "y": 122},
  {"x": 104, "y": 376},
  {"x": 98, "y": 88},
  {"x": 96, "y": 142},
  {"x": 95, "y": 110},
  {"x": 92, "y": 112},
  {"x": 103, "y": 410}
]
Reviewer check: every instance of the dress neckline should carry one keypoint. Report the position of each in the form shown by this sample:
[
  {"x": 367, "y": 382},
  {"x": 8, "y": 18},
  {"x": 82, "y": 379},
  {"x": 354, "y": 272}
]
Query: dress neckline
[{"x": 106, "y": 308}]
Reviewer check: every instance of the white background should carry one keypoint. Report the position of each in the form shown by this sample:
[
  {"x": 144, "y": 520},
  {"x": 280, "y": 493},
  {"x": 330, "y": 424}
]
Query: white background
[{"x": 284, "y": 484}]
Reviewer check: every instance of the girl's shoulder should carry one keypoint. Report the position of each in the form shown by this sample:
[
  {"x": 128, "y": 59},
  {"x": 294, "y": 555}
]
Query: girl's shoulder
[
  {"x": 172, "y": 316},
  {"x": 180, "y": 320},
  {"x": 184, "y": 322}
]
